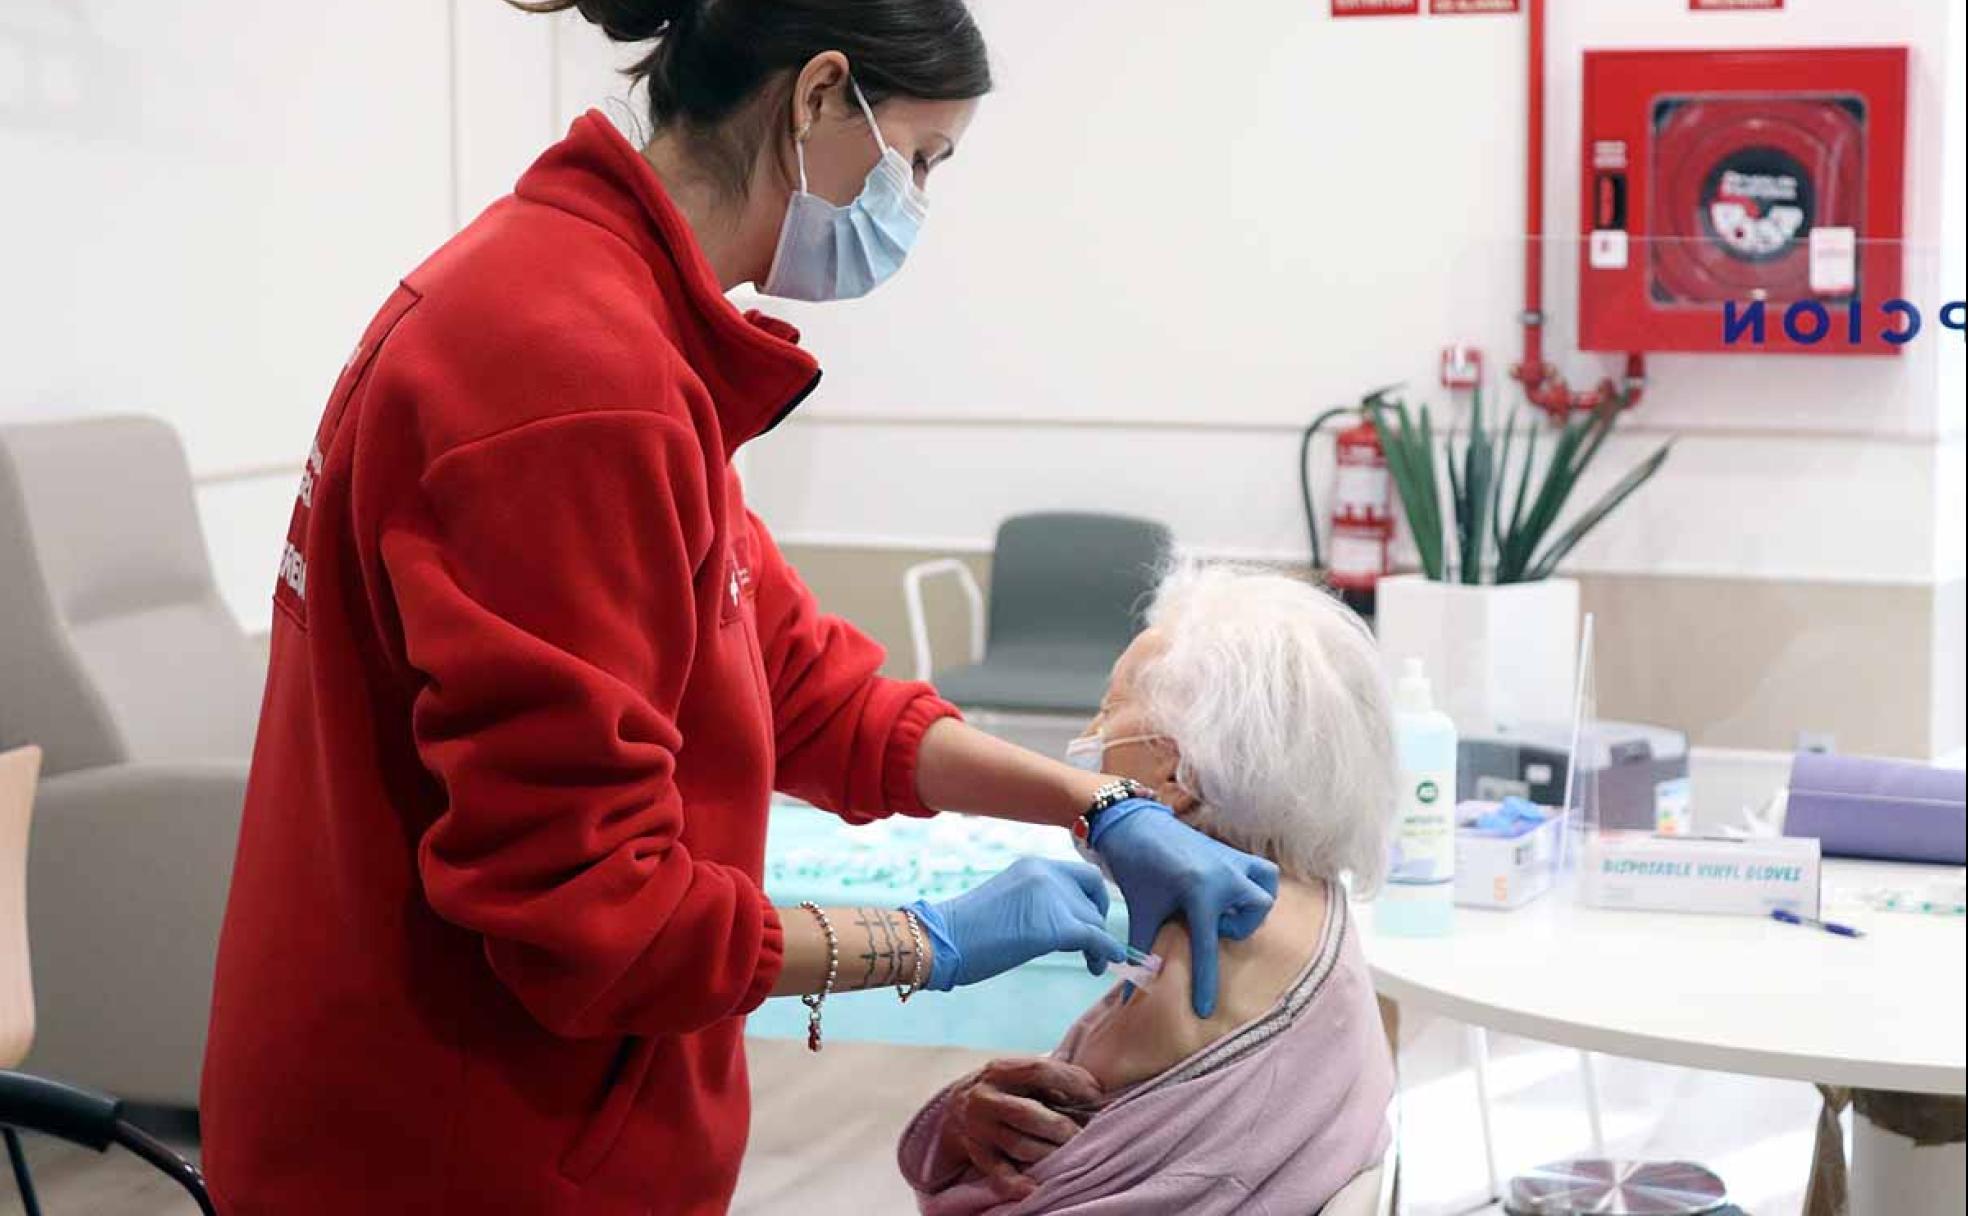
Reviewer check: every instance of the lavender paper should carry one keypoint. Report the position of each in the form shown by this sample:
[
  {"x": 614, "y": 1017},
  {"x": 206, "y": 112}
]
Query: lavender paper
[{"x": 1889, "y": 810}]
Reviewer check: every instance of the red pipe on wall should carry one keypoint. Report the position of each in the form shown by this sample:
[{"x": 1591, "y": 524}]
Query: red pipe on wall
[
  {"x": 1532, "y": 371},
  {"x": 1543, "y": 384}
]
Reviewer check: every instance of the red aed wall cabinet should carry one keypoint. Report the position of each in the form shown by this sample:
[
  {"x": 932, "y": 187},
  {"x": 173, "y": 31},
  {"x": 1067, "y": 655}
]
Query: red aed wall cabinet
[{"x": 1718, "y": 177}]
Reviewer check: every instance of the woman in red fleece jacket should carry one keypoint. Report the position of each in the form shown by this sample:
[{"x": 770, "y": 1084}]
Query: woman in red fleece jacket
[{"x": 496, "y": 918}]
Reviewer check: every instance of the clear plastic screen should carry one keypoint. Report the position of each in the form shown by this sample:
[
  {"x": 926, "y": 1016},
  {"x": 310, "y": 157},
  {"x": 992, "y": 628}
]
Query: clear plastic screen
[{"x": 1581, "y": 798}]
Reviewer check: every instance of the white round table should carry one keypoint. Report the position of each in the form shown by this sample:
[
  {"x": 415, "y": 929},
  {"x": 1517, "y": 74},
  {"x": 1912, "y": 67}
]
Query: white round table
[{"x": 1888, "y": 1011}]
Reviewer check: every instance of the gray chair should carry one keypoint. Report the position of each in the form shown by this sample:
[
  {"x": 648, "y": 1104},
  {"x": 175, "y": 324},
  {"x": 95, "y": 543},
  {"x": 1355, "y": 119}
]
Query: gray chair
[
  {"x": 1067, "y": 591},
  {"x": 121, "y": 662}
]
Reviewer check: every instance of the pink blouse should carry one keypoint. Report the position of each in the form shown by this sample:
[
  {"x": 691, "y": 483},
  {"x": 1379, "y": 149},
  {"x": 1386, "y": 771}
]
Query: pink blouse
[{"x": 1270, "y": 1120}]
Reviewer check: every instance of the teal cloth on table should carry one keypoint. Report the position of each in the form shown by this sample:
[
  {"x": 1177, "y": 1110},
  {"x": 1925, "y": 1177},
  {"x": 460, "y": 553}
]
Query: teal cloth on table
[{"x": 812, "y": 855}]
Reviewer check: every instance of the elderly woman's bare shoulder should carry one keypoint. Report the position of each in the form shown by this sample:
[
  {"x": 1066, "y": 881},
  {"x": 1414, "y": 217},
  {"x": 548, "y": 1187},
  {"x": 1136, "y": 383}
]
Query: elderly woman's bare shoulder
[{"x": 1125, "y": 1042}]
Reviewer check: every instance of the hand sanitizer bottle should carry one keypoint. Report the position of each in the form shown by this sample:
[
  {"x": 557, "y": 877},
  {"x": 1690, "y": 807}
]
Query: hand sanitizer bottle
[{"x": 1419, "y": 898}]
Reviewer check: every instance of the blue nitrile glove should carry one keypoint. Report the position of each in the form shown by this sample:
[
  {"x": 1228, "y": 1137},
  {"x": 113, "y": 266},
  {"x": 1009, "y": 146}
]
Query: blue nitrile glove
[
  {"x": 1511, "y": 818},
  {"x": 1034, "y": 907},
  {"x": 1163, "y": 866}
]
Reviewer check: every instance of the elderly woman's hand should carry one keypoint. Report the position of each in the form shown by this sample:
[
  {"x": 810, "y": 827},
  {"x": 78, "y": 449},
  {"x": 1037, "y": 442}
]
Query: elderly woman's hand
[{"x": 1003, "y": 1118}]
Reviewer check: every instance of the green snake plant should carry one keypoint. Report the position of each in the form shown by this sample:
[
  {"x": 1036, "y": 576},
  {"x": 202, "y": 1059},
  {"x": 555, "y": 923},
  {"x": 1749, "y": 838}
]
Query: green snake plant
[{"x": 1488, "y": 501}]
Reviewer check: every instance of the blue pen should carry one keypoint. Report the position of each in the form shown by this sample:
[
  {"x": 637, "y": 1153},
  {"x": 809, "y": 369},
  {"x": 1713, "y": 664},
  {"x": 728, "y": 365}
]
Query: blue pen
[{"x": 1792, "y": 918}]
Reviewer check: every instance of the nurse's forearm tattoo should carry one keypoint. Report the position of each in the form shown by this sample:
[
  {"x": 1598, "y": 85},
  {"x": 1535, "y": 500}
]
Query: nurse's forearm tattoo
[
  {"x": 868, "y": 948},
  {"x": 883, "y": 945}
]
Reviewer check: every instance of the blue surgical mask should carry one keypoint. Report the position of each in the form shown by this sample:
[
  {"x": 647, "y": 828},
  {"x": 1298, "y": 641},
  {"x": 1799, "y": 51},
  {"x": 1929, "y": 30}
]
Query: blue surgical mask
[
  {"x": 1086, "y": 753},
  {"x": 842, "y": 253},
  {"x": 1089, "y": 752}
]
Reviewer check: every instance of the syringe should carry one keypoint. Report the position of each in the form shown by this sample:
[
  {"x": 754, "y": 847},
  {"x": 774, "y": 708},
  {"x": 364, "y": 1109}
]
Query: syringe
[{"x": 1140, "y": 969}]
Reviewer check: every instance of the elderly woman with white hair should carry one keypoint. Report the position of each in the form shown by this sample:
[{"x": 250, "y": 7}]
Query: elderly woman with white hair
[{"x": 1254, "y": 705}]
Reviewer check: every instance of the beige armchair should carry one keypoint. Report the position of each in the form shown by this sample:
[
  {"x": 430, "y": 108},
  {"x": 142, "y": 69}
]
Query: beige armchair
[{"x": 120, "y": 661}]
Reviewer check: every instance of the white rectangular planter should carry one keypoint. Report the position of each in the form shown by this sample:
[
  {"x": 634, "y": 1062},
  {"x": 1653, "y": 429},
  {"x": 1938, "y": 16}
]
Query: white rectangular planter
[{"x": 1493, "y": 654}]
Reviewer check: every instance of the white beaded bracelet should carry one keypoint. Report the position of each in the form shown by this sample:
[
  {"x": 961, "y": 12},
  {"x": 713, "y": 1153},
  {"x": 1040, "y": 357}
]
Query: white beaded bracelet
[{"x": 813, "y": 1001}]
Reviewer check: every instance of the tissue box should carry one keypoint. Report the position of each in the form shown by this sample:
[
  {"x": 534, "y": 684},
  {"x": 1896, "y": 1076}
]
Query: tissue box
[
  {"x": 1504, "y": 871},
  {"x": 1640, "y": 871}
]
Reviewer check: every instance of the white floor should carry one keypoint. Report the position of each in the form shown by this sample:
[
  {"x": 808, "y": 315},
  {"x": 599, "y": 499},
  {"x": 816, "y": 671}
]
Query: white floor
[{"x": 1757, "y": 1134}]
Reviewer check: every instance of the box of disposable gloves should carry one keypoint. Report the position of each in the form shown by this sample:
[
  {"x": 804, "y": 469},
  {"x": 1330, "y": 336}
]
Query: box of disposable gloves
[
  {"x": 1506, "y": 852},
  {"x": 1649, "y": 873}
]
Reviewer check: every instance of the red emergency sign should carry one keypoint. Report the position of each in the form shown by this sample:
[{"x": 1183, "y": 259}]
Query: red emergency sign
[{"x": 1376, "y": 8}]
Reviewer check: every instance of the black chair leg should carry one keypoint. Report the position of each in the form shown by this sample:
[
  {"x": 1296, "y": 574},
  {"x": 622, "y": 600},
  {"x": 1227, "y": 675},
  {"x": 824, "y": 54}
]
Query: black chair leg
[{"x": 24, "y": 1180}]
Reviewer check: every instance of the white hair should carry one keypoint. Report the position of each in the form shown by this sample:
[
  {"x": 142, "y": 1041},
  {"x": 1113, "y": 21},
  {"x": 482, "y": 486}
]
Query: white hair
[{"x": 1274, "y": 694}]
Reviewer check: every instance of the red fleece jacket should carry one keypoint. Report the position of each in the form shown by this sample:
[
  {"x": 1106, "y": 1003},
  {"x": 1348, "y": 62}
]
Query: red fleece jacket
[{"x": 496, "y": 920}]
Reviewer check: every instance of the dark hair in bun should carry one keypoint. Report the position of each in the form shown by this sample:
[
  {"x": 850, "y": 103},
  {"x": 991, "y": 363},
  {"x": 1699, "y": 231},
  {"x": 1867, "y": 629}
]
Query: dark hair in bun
[
  {"x": 626, "y": 20},
  {"x": 712, "y": 57}
]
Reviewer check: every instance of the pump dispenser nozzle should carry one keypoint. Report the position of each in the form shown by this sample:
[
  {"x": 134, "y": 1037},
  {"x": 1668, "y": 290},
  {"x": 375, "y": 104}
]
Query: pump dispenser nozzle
[{"x": 1414, "y": 695}]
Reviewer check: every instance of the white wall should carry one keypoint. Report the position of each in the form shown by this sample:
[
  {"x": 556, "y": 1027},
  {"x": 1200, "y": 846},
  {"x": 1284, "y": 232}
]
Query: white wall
[
  {"x": 505, "y": 111},
  {"x": 1168, "y": 220},
  {"x": 204, "y": 202},
  {"x": 1165, "y": 243},
  {"x": 1954, "y": 227},
  {"x": 200, "y": 206},
  {"x": 1951, "y": 538},
  {"x": 1232, "y": 221},
  {"x": 1244, "y": 221},
  {"x": 1951, "y": 457}
]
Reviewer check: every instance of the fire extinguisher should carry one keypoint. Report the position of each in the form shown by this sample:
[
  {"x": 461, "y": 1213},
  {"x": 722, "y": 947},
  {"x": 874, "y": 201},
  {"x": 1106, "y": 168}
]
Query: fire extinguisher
[
  {"x": 1362, "y": 520},
  {"x": 1362, "y": 523}
]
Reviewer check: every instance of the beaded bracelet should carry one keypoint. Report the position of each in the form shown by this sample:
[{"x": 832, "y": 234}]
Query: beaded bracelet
[
  {"x": 904, "y": 991},
  {"x": 813, "y": 1001}
]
